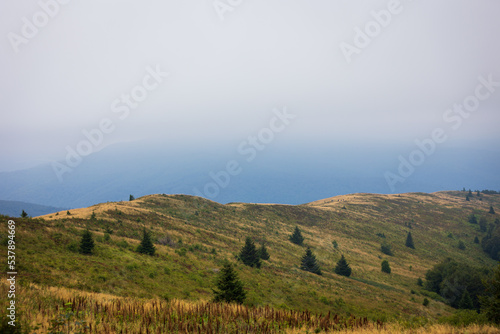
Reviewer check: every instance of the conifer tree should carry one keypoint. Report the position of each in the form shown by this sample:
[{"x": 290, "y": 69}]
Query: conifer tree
[
  {"x": 386, "y": 268},
  {"x": 409, "y": 241},
  {"x": 131, "y": 198},
  {"x": 229, "y": 287},
  {"x": 263, "y": 253},
  {"x": 297, "y": 237},
  {"x": 476, "y": 240},
  {"x": 24, "y": 214},
  {"x": 492, "y": 211},
  {"x": 249, "y": 254},
  {"x": 146, "y": 246},
  {"x": 87, "y": 243},
  {"x": 466, "y": 301},
  {"x": 309, "y": 263},
  {"x": 342, "y": 267},
  {"x": 470, "y": 192},
  {"x": 467, "y": 198}
]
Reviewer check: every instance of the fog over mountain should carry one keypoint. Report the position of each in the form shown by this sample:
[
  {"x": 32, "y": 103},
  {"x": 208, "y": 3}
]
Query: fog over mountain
[{"x": 287, "y": 102}]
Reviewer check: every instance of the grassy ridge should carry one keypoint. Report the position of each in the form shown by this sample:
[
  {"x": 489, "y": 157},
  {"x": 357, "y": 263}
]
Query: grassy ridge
[{"x": 204, "y": 233}]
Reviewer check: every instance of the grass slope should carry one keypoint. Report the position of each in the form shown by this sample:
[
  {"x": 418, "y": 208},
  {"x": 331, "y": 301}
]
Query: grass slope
[{"x": 204, "y": 233}]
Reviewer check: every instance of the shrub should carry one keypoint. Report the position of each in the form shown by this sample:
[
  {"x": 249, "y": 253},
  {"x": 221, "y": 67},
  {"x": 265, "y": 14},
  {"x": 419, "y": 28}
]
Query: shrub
[
  {"x": 425, "y": 302},
  {"x": 386, "y": 268},
  {"x": 386, "y": 249}
]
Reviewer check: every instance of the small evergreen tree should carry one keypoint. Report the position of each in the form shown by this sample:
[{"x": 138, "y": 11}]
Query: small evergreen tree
[
  {"x": 335, "y": 244},
  {"x": 470, "y": 193},
  {"x": 461, "y": 245},
  {"x": 87, "y": 243},
  {"x": 476, "y": 240},
  {"x": 309, "y": 262},
  {"x": 420, "y": 282},
  {"x": 263, "y": 253},
  {"x": 386, "y": 268},
  {"x": 68, "y": 213},
  {"x": 343, "y": 268},
  {"x": 478, "y": 193},
  {"x": 297, "y": 237},
  {"x": 467, "y": 198},
  {"x": 409, "y": 241},
  {"x": 131, "y": 198},
  {"x": 146, "y": 246},
  {"x": 92, "y": 216},
  {"x": 492, "y": 211},
  {"x": 426, "y": 302},
  {"x": 466, "y": 301},
  {"x": 229, "y": 288},
  {"x": 24, "y": 214},
  {"x": 249, "y": 255}
]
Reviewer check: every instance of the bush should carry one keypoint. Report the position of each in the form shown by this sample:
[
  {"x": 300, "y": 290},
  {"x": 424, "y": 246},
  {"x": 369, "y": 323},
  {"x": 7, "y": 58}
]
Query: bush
[
  {"x": 386, "y": 249},
  {"x": 386, "y": 268},
  {"x": 425, "y": 302},
  {"x": 463, "y": 318}
]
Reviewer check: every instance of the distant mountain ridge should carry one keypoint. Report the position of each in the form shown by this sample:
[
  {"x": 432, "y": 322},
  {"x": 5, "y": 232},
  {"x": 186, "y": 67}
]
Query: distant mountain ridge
[{"x": 15, "y": 208}]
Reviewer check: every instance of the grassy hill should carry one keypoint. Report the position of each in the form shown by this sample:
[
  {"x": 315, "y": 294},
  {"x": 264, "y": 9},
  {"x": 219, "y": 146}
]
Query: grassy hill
[{"x": 195, "y": 236}]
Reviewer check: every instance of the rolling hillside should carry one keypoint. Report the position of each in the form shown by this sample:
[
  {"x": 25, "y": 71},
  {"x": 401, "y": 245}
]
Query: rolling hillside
[{"x": 195, "y": 235}]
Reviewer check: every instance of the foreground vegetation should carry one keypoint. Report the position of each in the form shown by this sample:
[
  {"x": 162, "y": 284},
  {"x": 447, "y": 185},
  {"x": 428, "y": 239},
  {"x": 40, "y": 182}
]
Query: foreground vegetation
[{"x": 61, "y": 310}]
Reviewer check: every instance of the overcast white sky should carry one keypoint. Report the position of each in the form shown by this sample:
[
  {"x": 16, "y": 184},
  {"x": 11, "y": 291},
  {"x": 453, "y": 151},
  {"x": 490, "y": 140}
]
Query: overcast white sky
[{"x": 227, "y": 75}]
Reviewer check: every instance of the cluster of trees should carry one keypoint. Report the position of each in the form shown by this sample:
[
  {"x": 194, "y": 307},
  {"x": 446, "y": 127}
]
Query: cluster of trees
[
  {"x": 490, "y": 243},
  {"x": 464, "y": 287},
  {"x": 459, "y": 284}
]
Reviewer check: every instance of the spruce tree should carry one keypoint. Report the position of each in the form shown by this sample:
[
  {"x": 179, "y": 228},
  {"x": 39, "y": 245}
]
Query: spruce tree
[
  {"x": 492, "y": 211},
  {"x": 263, "y": 253},
  {"x": 131, "y": 198},
  {"x": 342, "y": 267},
  {"x": 467, "y": 198},
  {"x": 249, "y": 254},
  {"x": 87, "y": 243},
  {"x": 146, "y": 246},
  {"x": 229, "y": 287},
  {"x": 409, "y": 241},
  {"x": 476, "y": 240},
  {"x": 24, "y": 214},
  {"x": 470, "y": 192},
  {"x": 466, "y": 301},
  {"x": 309, "y": 262},
  {"x": 297, "y": 237},
  {"x": 386, "y": 268}
]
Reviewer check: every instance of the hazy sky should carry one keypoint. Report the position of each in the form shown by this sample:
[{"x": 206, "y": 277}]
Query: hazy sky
[{"x": 230, "y": 65}]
